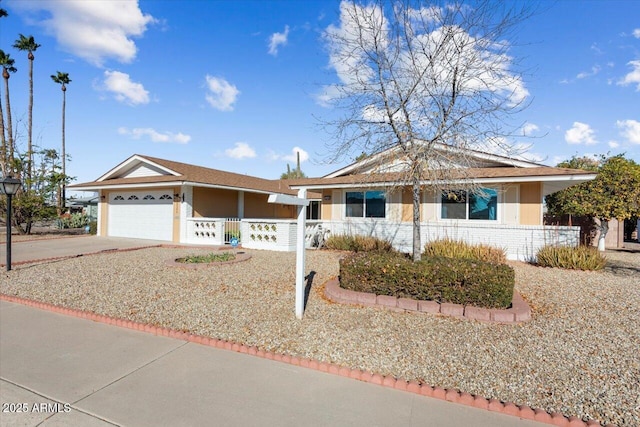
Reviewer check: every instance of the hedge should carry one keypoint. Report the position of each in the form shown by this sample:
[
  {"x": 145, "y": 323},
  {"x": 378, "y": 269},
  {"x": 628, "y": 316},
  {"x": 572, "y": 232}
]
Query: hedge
[{"x": 457, "y": 281}]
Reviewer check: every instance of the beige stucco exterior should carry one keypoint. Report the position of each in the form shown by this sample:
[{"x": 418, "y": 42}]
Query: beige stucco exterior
[
  {"x": 215, "y": 203},
  {"x": 326, "y": 205},
  {"x": 531, "y": 203}
]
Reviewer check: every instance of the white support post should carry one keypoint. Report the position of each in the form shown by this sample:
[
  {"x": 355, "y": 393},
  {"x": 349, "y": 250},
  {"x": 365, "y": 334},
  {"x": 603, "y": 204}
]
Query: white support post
[
  {"x": 300, "y": 254},
  {"x": 301, "y": 202}
]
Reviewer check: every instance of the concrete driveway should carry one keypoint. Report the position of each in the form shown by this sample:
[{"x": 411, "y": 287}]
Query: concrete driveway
[{"x": 64, "y": 247}]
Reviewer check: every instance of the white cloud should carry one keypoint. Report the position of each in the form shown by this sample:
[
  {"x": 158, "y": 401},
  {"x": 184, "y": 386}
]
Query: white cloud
[
  {"x": 633, "y": 77},
  {"x": 529, "y": 128},
  {"x": 613, "y": 144},
  {"x": 221, "y": 94},
  {"x": 636, "y": 33},
  {"x": 241, "y": 150},
  {"x": 124, "y": 89},
  {"x": 594, "y": 70},
  {"x": 580, "y": 133},
  {"x": 154, "y": 135},
  {"x": 278, "y": 39},
  {"x": 93, "y": 30},
  {"x": 629, "y": 129},
  {"x": 293, "y": 158}
]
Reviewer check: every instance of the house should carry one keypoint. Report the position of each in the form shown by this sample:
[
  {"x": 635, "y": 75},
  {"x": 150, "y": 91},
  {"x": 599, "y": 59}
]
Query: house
[
  {"x": 149, "y": 198},
  {"x": 483, "y": 198}
]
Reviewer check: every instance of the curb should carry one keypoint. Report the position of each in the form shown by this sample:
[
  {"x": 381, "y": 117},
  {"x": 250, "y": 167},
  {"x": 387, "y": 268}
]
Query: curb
[
  {"x": 519, "y": 312},
  {"x": 450, "y": 395}
]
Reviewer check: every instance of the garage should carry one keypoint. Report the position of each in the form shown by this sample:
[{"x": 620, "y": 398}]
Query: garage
[{"x": 141, "y": 214}]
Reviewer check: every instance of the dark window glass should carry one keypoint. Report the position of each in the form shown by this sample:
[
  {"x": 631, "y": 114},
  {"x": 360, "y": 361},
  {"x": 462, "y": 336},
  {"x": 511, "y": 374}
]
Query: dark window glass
[
  {"x": 355, "y": 204},
  {"x": 375, "y": 204},
  {"x": 454, "y": 204}
]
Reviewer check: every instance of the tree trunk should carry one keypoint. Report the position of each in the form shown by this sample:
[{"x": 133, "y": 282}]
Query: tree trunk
[
  {"x": 63, "y": 196},
  {"x": 603, "y": 228},
  {"x": 30, "y": 128},
  {"x": 9, "y": 124},
  {"x": 3, "y": 147},
  {"x": 417, "y": 244}
]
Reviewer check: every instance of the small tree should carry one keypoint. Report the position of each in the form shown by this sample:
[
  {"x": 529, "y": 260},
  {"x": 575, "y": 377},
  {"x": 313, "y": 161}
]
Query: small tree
[
  {"x": 422, "y": 77},
  {"x": 613, "y": 194}
]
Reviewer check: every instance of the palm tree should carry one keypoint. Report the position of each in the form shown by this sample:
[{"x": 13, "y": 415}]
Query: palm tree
[
  {"x": 7, "y": 67},
  {"x": 28, "y": 44},
  {"x": 63, "y": 79}
]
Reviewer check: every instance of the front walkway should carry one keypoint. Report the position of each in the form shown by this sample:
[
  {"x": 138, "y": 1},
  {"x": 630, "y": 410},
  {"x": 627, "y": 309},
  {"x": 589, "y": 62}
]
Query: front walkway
[
  {"x": 62, "y": 370},
  {"x": 68, "y": 246}
]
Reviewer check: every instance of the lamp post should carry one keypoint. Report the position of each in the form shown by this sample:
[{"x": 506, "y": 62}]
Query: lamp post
[{"x": 9, "y": 186}]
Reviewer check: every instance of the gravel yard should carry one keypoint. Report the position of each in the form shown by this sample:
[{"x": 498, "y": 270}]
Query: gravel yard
[{"x": 579, "y": 355}]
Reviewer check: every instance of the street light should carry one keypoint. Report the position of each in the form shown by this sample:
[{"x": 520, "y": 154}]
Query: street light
[{"x": 9, "y": 186}]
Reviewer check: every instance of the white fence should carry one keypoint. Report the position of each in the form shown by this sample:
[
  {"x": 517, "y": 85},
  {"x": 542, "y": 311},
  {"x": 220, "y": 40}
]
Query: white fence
[{"x": 520, "y": 242}]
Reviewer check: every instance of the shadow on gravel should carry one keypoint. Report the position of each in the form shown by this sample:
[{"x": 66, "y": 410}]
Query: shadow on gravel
[{"x": 307, "y": 289}]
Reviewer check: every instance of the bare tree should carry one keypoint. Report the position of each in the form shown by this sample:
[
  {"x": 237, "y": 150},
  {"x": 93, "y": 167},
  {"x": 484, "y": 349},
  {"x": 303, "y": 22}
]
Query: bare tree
[{"x": 431, "y": 80}]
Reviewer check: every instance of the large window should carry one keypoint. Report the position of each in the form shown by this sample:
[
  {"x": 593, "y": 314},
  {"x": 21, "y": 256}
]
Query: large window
[
  {"x": 462, "y": 204},
  {"x": 365, "y": 204}
]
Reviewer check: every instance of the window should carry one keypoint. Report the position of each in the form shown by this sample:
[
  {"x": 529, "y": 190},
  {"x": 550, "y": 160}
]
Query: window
[
  {"x": 462, "y": 204},
  {"x": 165, "y": 197},
  {"x": 149, "y": 197},
  {"x": 133, "y": 197},
  {"x": 118, "y": 198},
  {"x": 367, "y": 204},
  {"x": 313, "y": 210}
]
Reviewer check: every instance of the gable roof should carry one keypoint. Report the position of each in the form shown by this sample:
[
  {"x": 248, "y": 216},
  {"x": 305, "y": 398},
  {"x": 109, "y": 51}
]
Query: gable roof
[
  {"x": 477, "y": 156},
  {"x": 146, "y": 171}
]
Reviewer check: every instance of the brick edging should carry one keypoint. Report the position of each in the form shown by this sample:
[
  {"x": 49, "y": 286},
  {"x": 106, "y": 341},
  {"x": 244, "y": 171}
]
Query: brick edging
[
  {"x": 451, "y": 395},
  {"x": 518, "y": 313}
]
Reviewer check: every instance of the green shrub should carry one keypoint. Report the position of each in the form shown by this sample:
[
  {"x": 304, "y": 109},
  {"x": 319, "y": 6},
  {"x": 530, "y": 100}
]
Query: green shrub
[
  {"x": 344, "y": 242},
  {"x": 203, "y": 259},
  {"x": 580, "y": 258},
  {"x": 93, "y": 227},
  {"x": 76, "y": 220},
  {"x": 458, "y": 281},
  {"x": 458, "y": 249}
]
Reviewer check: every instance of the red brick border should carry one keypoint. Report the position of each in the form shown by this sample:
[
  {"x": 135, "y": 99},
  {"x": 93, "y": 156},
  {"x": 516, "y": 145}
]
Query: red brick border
[
  {"x": 451, "y": 395},
  {"x": 518, "y": 313}
]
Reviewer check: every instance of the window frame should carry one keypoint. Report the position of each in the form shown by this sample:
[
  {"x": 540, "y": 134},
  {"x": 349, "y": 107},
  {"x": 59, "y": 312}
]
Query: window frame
[
  {"x": 498, "y": 213},
  {"x": 364, "y": 205}
]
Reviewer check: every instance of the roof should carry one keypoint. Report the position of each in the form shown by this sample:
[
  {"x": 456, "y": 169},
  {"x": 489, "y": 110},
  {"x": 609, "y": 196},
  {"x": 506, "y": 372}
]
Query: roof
[
  {"x": 480, "y": 156},
  {"x": 473, "y": 175},
  {"x": 176, "y": 173}
]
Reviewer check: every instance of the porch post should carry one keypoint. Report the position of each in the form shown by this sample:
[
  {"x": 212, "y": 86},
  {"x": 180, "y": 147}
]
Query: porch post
[{"x": 300, "y": 254}]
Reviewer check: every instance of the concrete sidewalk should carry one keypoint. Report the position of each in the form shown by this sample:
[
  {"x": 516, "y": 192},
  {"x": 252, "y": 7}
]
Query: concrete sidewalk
[{"x": 83, "y": 373}]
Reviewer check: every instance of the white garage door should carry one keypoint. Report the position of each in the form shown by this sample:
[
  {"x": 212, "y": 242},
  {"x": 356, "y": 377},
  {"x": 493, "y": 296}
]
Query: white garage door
[{"x": 141, "y": 215}]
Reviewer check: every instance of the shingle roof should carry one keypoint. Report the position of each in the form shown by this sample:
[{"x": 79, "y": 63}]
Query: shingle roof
[
  {"x": 198, "y": 175},
  {"x": 535, "y": 173}
]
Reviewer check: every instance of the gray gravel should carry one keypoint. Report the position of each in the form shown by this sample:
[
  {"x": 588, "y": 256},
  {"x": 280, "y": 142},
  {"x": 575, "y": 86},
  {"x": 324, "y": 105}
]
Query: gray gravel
[{"x": 579, "y": 355}]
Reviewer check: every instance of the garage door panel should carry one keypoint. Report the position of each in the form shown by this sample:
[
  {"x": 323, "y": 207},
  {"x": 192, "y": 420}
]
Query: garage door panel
[{"x": 141, "y": 214}]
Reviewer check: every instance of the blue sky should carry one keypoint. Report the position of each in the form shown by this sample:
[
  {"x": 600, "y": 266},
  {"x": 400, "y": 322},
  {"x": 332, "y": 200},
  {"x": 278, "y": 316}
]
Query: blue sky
[{"x": 236, "y": 85}]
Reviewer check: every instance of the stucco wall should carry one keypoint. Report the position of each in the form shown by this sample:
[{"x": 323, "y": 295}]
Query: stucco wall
[
  {"x": 531, "y": 203},
  {"x": 214, "y": 203}
]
